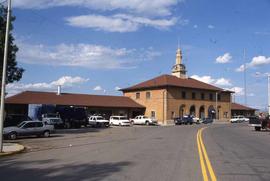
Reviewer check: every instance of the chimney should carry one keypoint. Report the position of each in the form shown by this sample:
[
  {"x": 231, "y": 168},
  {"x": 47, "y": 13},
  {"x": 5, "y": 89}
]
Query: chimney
[{"x": 58, "y": 90}]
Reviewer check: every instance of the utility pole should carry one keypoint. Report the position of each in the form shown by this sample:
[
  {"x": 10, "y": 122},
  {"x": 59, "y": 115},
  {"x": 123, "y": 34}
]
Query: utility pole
[
  {"x": 217, "y": 105},
  {"x": 268, "y": 94},
  {"x": 3, "y": 90},
  {"x": 245, "y": 79}
]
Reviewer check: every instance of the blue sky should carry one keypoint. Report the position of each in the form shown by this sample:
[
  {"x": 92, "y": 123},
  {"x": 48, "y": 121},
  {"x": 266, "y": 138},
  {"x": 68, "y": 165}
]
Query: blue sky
[{"x": 97, "y": 46}]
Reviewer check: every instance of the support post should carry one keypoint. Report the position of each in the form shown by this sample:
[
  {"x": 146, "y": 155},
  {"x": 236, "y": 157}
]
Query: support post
[{"x": 3, "y": 90}]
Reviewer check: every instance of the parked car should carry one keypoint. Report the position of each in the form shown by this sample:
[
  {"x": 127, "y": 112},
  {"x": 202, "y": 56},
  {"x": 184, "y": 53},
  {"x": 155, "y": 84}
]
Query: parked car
[
  {"x": 207, "y": 120},
  {"x": 239, "y": 119},
  {"x": 53, "y": 119},
  {"x": 98, "y": 121},
  {"x": 196, "y": 120},
  {"x": 143, "y": 120},
  {"x": 259, "y": 123},
  {"x": 28, "y": 128},
  {"x": 183, "y": 120},
  {"x": 119, "y": 120}
]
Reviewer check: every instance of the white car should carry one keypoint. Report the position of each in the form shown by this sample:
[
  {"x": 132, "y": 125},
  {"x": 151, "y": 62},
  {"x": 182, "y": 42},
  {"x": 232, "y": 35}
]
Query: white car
[
  {"x": 143, "y": 120},
  {"x": 119, "y": 120},
  {"x": 238, "y": 119},
  {"x": 98, "y": 121},
  {"x": 196, "y": 120}
]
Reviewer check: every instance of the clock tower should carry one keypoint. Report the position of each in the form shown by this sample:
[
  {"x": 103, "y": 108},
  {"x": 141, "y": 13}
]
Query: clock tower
[{"x": 179, "y": 69}]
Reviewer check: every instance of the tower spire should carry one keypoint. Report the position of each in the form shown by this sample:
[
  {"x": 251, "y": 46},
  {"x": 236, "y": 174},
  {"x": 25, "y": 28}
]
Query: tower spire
[{"x": 179, "y": 69}]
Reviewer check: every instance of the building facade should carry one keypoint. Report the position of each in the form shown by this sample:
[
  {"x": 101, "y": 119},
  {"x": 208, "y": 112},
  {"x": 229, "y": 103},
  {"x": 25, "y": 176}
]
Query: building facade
[{"x": 176, "y": 95}]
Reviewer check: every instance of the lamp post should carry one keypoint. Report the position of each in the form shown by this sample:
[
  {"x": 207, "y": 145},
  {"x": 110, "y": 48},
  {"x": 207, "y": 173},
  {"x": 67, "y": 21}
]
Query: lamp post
[
  {"x": 216, "y": 104},
  {"x": 268, "y": 94},
  {"x": 3, "y": 86}
]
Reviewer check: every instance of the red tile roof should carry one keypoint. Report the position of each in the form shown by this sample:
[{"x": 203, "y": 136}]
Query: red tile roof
[
  {"x": 31, "y": 97},
  {"x": 170, "y": 80},
  {"x": 236, "y": 106}
]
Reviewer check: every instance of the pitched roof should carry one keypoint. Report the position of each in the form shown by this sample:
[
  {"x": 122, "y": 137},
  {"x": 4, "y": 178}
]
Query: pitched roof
[
  {"x": 32, "y": 97},
  {"x": 170, "y": 80},
  {"x": 236, "y": 106}
]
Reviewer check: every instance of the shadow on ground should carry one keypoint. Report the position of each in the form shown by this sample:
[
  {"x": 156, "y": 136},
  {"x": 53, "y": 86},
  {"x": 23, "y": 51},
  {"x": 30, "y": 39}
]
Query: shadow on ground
[{"x": 48, "y": 170}]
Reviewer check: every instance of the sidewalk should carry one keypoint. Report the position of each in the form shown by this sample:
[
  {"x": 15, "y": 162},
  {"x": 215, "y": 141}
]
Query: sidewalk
[{"x": 11, "y": 148}]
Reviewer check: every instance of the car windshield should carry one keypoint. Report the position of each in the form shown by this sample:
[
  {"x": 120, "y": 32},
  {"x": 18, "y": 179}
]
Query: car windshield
[{"x": 22, "y": 123}]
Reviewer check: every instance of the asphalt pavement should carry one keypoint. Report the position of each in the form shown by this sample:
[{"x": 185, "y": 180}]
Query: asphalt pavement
[{"x": 142, "y": 153}]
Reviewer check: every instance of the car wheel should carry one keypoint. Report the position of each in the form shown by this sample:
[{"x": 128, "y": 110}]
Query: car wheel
[
  {"x": 120, "y": 124},
  {"x": 46, "y": 134},
  {"x": 147, "y": 123},
  {"x": 13, "y": 136},
  {"x": 257, "y": 128},
  {"x": 132, "y": 123}
]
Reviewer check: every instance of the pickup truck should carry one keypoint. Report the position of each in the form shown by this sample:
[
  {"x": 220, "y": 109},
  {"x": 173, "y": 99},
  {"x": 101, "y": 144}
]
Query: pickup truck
[
  {"x": 239, "y": 119},
  {"x": 143, "y": 120},
  {"x": 259, "y": 123},
  {"x": 98, "y": 121}
]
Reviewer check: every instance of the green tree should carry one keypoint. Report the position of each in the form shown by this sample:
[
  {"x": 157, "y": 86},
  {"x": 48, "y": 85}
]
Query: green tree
[{"x": 14, "y": 73}]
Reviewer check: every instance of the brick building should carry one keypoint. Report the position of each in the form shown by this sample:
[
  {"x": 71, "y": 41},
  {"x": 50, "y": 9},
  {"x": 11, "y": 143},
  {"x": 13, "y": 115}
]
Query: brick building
[{"x": 169, "y": 96}]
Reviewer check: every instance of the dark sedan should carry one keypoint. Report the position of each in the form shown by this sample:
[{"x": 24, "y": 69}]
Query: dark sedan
[
  {"x": 207, "y": 120},
  {"x": 183, "y": 120}
]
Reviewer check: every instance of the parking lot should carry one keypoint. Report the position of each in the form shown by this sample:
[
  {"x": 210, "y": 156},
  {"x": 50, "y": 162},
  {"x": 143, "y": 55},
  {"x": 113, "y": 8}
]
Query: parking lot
[{"x": 142, "y": 153}]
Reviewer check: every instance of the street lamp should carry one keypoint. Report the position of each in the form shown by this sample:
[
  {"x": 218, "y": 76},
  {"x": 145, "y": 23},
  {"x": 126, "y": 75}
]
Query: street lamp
[
  {"x": 268, "y": 75},
  {"x": 3, "y": 86}
]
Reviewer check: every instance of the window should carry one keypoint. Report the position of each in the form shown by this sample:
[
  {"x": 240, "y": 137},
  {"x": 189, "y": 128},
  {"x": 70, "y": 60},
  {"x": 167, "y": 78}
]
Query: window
[
  {"x": 137, "y": 95},
  {"x": 173, "y": 115},
  {"x": 183, "y": 94},
  {"x": 153, "y": 114},
  {"x": 39, "y": 124},
  {"x": 29, "y": 125},
  {"x": 211, "y": 96},
  {"x": 148, "y": 95},
  {"x": 225, "y": 115},
  {"x": 218, "y": 97},
  {"x": 202, "y": 96},
  {"x": 193, "y": 95}
]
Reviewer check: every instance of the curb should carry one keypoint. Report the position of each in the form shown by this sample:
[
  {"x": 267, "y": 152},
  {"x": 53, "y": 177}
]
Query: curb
[{"x": 20, "y": 148}]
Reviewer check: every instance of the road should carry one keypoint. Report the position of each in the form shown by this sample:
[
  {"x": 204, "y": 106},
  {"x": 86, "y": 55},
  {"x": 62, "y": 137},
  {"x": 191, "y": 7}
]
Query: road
[{"x": 142, "y": 153}]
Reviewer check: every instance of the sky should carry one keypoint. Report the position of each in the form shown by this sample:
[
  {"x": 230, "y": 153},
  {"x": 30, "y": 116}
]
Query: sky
[{"x": 100, "y": 46}]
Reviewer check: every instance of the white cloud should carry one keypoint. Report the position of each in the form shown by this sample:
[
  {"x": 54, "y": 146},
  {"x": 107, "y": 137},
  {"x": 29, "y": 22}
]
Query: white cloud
[
  {"x": 120, "y": 22},
  {"x": 223, "y": 82},
  {"x": 209, "y": 80},
  {"x": 239, "y": 91},
  {"x": 82, "y": 55},
  {"x": 259, "y": 60},
  {"x": 98, "y": 88},
  {"x": 256, "y": 61},
  {"x": 152, "y": 8},
  {"x": 195, "y": 26},
  {"x": 241, "y": 68},
  {"x": 117, "y": 88},
  {"x": 65, "y": 82},
  {"x": 211, "y": 26},
  {"x": 226, "y": 58}
]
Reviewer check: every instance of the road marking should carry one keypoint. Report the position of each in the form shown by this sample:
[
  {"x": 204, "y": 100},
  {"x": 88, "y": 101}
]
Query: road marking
[
  {"x": 204, "y": 173},
  {"x": 204, "y": 158}
]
